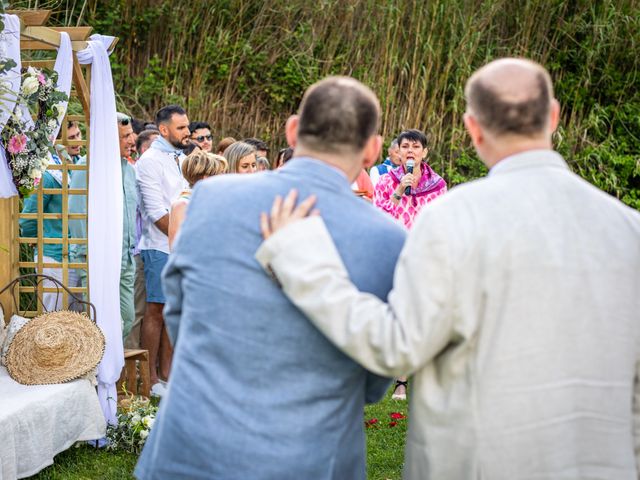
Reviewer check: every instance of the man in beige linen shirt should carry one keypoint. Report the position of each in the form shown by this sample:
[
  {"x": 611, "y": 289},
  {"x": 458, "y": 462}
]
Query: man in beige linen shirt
[{"x": 515, "y": 305}]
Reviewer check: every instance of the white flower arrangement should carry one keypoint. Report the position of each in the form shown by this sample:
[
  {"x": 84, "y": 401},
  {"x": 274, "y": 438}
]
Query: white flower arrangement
[
  {"x": 28, "y": 145},
  {"x": 135, "y": 421},
  {"x": 29, "y": 86}
]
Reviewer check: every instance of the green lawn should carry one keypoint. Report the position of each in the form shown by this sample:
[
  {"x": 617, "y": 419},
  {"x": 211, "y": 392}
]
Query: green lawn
[
  {"x": 385, "y": 446},
  {"x": 385, "y": 443},
  {"x": 88, "y": 463}
]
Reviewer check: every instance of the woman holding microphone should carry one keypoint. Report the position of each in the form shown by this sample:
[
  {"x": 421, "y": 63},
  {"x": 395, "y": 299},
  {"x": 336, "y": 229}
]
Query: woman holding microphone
[{"x": 405, "y": 190}]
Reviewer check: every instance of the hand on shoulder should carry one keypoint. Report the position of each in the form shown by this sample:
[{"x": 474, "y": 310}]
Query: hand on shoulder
[{"x": 285, "y": 212}]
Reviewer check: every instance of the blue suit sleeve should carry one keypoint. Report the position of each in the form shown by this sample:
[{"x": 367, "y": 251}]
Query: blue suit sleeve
[{"x": 375, "y": 387}]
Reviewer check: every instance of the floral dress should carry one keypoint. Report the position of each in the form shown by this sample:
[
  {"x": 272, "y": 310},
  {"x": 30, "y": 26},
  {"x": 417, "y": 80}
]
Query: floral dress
[{"x": 430, "y": 186}]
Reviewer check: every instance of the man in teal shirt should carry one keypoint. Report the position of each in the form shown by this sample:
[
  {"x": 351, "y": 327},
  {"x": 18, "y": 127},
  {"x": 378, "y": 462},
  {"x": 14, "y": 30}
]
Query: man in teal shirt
[
  {"x": 77, "y": 204},
  {"x": 52, "y": 253}
]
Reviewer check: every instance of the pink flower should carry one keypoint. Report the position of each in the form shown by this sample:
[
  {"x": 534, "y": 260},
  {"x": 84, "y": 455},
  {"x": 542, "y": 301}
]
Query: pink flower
[
  {"x": 392, "y": 424},
  {"x": 41, "y": 79},
  {"x": 397, "y": 415},
  {"x": 36, "y": 181},
  {"x": 17, "y": 144}
]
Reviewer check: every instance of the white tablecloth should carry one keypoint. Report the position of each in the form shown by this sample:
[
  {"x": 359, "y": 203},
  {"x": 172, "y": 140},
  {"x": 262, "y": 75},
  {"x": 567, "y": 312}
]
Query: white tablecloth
[{"x": 38, "y": 422}]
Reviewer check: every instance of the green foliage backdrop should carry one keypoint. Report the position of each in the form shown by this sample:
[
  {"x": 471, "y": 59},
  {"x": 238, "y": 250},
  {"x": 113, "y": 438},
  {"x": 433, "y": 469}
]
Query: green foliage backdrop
[{"x": 243, "y": 65}]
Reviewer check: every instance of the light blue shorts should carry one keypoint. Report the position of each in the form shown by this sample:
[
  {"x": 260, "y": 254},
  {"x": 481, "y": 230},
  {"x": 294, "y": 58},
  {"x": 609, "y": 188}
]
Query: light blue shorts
[{"x": 154, "y": 261}]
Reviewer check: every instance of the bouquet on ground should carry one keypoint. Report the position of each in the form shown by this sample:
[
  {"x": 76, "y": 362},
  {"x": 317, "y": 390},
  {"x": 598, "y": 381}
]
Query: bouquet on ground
[
  {"x": 28, "y": 141},
  {"x": 135, "y": 420}
]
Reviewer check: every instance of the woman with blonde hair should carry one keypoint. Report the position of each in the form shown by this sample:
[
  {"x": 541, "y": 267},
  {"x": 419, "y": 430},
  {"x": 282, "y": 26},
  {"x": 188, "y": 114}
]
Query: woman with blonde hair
[
  {"x": 197, "y": 166},
  {"x": 241, "y": 157}
]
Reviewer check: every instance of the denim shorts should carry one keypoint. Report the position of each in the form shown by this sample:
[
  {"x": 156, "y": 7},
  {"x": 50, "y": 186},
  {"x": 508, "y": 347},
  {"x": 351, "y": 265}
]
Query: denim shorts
[{"x": 154, "y": 261}]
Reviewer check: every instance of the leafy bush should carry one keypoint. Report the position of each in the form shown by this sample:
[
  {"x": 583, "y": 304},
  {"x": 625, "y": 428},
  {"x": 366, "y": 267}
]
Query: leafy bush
[{"x": 243, "y": 66}]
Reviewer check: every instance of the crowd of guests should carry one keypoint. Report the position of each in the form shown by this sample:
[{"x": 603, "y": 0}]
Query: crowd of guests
[
  {"x": 161, "y": 161},
  {"x": 512, "y": 304}
]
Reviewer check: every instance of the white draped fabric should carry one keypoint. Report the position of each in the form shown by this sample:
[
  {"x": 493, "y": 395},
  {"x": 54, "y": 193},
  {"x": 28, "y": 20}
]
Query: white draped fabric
[
  {"x": 104, "y": 225},
  {"x": 9, "y": 48},
  {"x": 39, "y": 421},
  {"x": 64, "y": 68}
]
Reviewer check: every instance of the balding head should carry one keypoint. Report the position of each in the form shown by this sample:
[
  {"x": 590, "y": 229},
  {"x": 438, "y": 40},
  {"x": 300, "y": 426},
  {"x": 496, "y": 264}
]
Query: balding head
[
  {"x": 337, "y": 116},
  {"x": 511, "y": 97}
]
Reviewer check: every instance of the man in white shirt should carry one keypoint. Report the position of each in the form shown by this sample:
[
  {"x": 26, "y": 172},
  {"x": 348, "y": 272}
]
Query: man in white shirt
[
  {"x": 391, "y": 162},
  {"x": 515, "y": 305},
  {"x": 159, "y": 182}
]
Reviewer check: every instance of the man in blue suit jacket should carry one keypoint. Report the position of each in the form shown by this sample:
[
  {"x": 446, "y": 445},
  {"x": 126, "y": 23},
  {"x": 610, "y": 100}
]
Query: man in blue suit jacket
[{"x": 256, "y": 391}]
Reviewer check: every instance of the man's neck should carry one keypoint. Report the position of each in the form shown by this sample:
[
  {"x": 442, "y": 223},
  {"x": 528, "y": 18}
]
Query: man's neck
[
  {"x": 346, "y": 165},
  {"x": 508, "y": 149},
  {"x": 168, "y": 142}
]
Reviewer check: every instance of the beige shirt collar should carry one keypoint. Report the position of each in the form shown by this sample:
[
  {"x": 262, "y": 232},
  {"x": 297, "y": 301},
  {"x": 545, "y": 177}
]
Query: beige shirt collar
[{"x": 529, "y": 159}]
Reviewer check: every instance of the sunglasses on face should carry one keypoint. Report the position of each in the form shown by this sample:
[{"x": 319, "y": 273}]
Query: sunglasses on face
[
  {"x": 124, "y": 121},
  {"x": 202, "y": 138}
]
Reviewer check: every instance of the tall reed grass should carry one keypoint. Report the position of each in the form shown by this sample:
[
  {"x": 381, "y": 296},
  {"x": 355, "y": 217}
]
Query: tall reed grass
[{"x": 243, "y": 65}]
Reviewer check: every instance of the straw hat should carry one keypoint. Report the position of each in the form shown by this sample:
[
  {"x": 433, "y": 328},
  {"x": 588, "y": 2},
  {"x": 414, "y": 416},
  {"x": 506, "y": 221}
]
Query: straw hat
[{"x": 55, "y": 347}]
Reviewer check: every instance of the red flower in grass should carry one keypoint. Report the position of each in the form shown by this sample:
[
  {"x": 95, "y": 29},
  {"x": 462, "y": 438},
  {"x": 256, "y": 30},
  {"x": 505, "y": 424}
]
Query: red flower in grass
[
  {"x": 371, "y": 422},
  {"x": 392, "y": 424},
  {"x": 397, "y": 415}
]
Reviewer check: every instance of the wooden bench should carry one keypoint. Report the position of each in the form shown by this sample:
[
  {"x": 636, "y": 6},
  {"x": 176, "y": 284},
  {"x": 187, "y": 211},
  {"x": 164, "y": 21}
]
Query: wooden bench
[{"x": 136, "y": 383}]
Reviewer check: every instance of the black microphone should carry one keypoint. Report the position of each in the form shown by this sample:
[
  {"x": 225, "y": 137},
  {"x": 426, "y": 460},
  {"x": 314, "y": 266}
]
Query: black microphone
[{"x": 410, "y": 164}]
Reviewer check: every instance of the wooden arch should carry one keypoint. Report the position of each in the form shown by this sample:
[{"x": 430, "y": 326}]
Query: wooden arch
[{"x": 36, "y": 36}]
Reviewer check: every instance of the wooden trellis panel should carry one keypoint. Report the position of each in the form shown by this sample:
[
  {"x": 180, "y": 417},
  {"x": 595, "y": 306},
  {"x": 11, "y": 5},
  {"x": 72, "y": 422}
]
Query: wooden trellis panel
[{"x": 34, "y": 36}]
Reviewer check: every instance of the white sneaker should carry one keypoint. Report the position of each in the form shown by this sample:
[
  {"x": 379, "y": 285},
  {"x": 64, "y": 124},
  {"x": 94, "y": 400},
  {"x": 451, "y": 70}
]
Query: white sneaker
[{"x": 158, "y": 390}]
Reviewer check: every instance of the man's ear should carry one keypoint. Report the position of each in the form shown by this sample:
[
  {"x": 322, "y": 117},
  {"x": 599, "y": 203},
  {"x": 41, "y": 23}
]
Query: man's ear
[
  {"x": 554, "y": 115},
  {"x": 371, "y": 151},
  {"x": 163, "y": 129},
  {"x": 473, "y": 127},
  {"x": 291, "y": 130}
]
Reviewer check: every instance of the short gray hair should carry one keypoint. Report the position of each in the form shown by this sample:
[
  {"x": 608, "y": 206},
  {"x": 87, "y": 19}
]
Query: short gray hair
[
  {"x": 264, "y": 162},
  {"x": 121, "y": 117}
]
